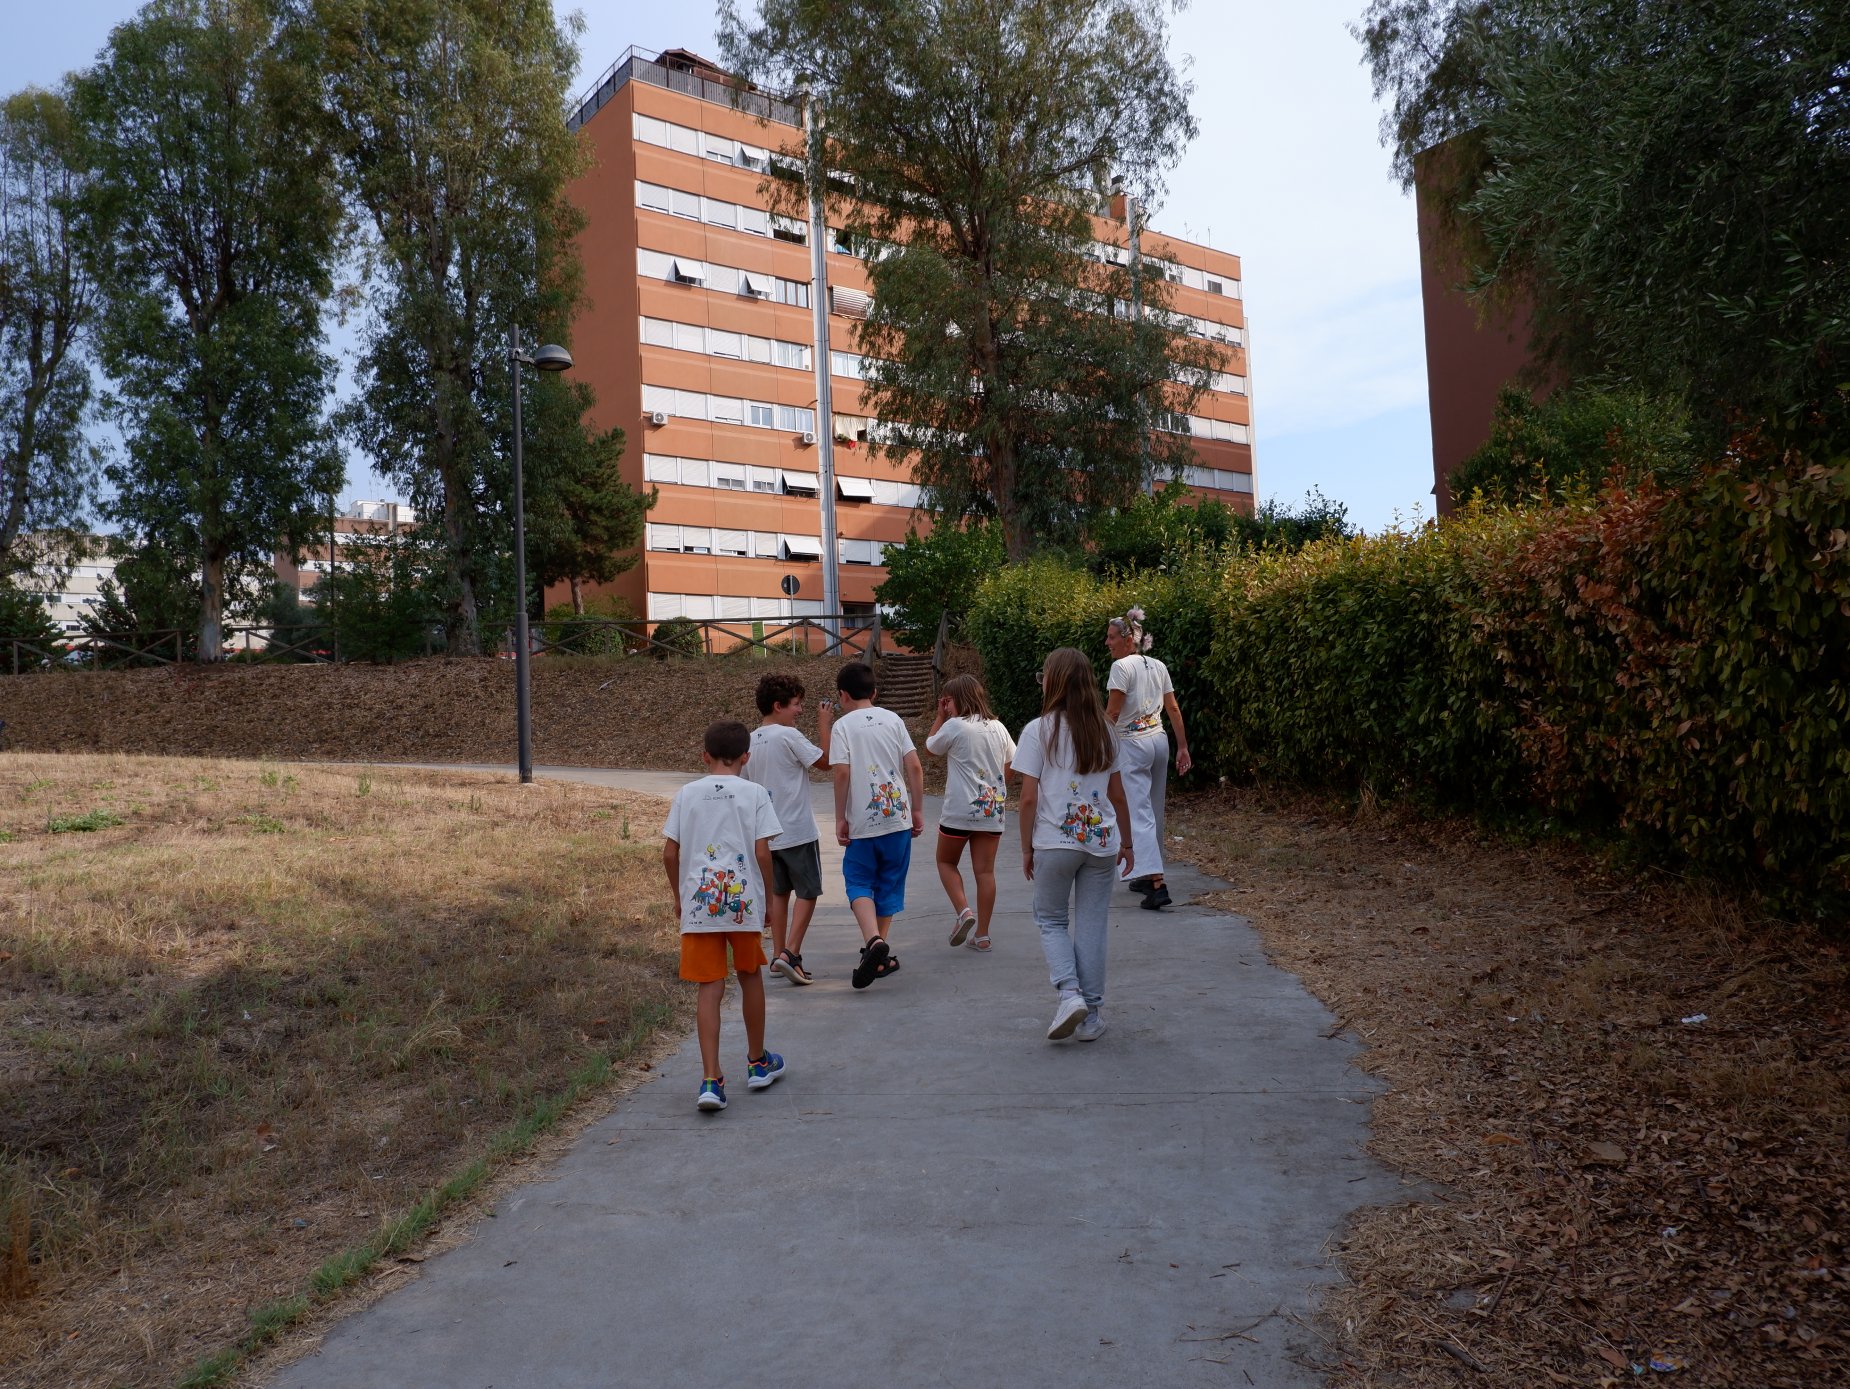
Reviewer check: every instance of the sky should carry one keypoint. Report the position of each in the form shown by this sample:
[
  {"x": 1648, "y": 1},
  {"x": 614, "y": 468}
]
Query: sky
[{"x": 1287, "y": 173}]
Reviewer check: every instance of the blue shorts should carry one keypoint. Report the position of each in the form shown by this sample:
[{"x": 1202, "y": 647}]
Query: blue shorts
[{"x": 877, "y": 868}]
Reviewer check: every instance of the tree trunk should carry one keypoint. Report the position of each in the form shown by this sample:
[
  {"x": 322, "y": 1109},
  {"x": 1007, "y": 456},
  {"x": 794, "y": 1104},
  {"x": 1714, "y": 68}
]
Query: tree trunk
[
  {"x": 578, "y": 597},
  {"x": 1016, "y": 541},
  {"x": 212, "y": 609}
]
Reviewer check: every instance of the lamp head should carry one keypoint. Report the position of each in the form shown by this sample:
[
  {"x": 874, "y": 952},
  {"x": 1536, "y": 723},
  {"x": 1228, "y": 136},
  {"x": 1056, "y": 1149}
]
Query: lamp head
[{"x": 552, "y": 357}]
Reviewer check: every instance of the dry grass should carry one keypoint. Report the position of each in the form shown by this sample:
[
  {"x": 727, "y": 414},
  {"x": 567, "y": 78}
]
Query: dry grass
[
  {"x": 1614, "y": 1184},
  {"x": 275, "y": 1006}
]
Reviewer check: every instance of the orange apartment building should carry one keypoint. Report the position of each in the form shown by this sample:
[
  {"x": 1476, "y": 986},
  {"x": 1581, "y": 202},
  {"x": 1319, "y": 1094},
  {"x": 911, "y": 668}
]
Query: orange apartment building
[{"x": 698, "y": 335}]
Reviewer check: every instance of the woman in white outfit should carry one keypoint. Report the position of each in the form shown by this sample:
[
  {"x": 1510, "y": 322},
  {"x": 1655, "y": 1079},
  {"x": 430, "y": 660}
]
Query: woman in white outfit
[{"x": 1139, "y": 694}]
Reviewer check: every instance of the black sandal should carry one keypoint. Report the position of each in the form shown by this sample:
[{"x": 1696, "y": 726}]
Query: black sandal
[
  {"x": 887, "y": 966},
  {"x": 873, "y": 955}
]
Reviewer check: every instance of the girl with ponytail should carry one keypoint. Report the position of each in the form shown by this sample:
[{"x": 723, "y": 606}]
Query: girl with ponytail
[{"x": 1140, "y": 694}]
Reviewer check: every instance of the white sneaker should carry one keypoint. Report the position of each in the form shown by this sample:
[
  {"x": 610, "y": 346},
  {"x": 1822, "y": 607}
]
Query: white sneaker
[
  {"x": 1092, "y": 1028},
  {"x": 1071, "y": 1011}
]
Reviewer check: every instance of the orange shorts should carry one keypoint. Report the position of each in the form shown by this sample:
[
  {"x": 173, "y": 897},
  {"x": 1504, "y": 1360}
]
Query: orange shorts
[{"x": 703, "y": 954}]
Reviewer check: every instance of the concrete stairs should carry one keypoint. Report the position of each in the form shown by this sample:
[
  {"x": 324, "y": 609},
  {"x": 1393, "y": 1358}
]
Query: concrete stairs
[{"x": 905, "y": 683}]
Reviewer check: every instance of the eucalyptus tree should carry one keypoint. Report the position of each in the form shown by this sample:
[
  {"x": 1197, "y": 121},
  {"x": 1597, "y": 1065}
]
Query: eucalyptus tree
[
  {"x": 48, "y": 466},
  {"x": 449, "y": 116},
  {"x": 215, "y": 219},
  {"x": 1664, "y": 180},
  {"x": 970, "y": 143}
]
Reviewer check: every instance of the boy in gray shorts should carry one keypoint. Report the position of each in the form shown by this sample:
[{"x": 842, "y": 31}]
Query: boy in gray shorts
[{"x": 780, "y": 762}]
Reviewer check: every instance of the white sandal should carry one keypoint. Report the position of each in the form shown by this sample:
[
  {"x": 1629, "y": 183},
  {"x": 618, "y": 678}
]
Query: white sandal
[
  {"x": 965, "y": 922},
  {"x": 978, "y": 943}
]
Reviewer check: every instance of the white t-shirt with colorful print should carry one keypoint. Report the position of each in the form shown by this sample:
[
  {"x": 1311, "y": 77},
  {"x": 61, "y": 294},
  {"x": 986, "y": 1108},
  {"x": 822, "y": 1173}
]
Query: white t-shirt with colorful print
[
  {"x": 873, "y": 744},
  {"x": 718, "y": 822},
  {"x": 1144, "y": 680},
  {"x": 974, "y": 790},
  {"x": 1073, "y": 809}
]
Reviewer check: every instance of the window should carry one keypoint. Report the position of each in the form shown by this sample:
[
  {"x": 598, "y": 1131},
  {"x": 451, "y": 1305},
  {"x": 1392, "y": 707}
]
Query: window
[
  {"x": 652, "y": 196},
  {"x": 849, "y": 303},
  {"x": 657, "y": 399},
  {"x": 766, "y": 545},
  {"x": 1215, "y": 287},
  {"x": 651, "y": 131},
  {"x": 855, "y": 489},
  {"x": 732, "y": 543},
  {"x": 762, "y": 479},
  {"x": 758, "y": 349},
  {"x": 801, "y": 484},
  {"x": 664, "y": 606},
  {"x": 794, "y": 292},
  {"x": 690, "y": 337},
  {"x": 729, "y": 476},
  {"x": 682, "y": 139},
  {"x": 726, "y": 410},
  {"x": 691, "y": 404},
  {"x": 849, "y": 364},
  {"x": 791, "y": 354},
  {"x": 755, "y": 220},
  {"x": 721, "y": 214},
  {"x": 696, "y": 540},
  {"x": 796, "y": 420},
  {"x": 694, "y": 472},
  {"x": 658, "y": 332},
  {"x": 789, "y": 229},
  {"x": 763, "y": 416},
  {"x": 720, "y": 148},
  {"x": 659, "y": 468},
  {"x": 751, "y": 157},
  {"x": 688, "y": 272},
  {"x": 859, "y": 552},
  {"x": 802, "y": 547},
  {"x": 664, "y": 537},
  {"x": 684, "y": 204},
  {"x": 724, "y": 344},
  {"x": 755, "y": 284}
]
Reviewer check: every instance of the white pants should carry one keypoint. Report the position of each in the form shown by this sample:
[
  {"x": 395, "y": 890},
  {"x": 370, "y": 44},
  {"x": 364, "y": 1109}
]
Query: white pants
[{"x": 1143, "y": 765}]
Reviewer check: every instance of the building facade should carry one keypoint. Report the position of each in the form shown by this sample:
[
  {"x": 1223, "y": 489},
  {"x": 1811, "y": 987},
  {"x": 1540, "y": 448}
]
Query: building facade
[
  {"x": 699, "y": 342},
  {"x": 361, "y": 524},
  {"x": 69, "y": 579}
]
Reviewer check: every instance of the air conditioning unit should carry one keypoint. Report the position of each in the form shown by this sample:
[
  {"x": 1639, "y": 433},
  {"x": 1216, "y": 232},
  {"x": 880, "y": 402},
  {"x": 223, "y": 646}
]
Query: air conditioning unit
[
  {"x": 807, "y": 437},
  {"x": 658, "y": 417}
]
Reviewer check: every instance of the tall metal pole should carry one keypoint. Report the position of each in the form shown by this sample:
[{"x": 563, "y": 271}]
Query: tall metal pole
[
  {"x": 523, "y": 710},
  {"x": 825, "y": 400}
]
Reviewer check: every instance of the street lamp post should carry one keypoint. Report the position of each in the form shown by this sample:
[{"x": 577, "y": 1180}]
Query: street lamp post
[{"x": 548, "y": 358}]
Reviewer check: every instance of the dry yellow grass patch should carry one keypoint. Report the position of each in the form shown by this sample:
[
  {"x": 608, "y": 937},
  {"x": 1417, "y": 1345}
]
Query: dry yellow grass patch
[
  {"x": 1633, "y": 1103},
  {"x": 248, "y": 1012}
]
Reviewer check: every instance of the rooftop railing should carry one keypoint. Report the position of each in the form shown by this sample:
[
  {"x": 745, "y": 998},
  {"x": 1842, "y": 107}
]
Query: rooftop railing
[{"x": 641, "y": 65}]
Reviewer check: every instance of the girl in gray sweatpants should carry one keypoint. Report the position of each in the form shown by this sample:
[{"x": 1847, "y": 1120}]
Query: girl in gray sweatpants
[{"x": 1073, "y": 844}]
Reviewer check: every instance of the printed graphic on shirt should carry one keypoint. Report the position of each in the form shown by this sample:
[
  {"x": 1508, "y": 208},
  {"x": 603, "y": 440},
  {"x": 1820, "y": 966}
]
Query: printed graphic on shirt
[
  {"x": 1145, "y": 723},
  {"x": 721, "y": 891},
  {"x": 887, "y": 800},
  {"x": 988, "y": 802},
  {"x": 1083, "y": 823}
]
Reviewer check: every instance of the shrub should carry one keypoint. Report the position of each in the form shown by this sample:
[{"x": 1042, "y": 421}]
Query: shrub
[
  {"x": 1357, "y": 664},
  {"x": 1575, "y": 442},
  {"x": 379, "y": 604},
  {"x": 1027, "y": 610},
  {"x": 592, "y": 632},
  {"x": 939, "y": 573},
  {"x": 24, "y": 618},
  {"x": 1681, "y": 660},
  {"x": 678, "y": 636}
]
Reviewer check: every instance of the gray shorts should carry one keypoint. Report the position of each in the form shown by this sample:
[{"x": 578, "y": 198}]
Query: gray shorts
[{"x": 798, "y": 870}]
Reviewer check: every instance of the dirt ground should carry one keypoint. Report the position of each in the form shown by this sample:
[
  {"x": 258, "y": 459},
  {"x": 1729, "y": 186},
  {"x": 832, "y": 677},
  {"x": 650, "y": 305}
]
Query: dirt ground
[
  {"x": 1632, "y": 1101},
  {"x": 618, "y": 712},
  {"x": 252, "y": 1013}
]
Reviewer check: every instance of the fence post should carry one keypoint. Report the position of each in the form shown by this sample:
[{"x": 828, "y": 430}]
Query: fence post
[
  {"x": 178, "y": 659},
  {"x": 873, "y": 642},
  {"x": 15, "y": 646}
]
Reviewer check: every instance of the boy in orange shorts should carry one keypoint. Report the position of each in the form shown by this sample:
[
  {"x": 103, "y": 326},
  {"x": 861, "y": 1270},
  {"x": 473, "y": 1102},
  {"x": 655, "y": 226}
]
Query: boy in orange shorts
[{"x": 726, "y": 825}]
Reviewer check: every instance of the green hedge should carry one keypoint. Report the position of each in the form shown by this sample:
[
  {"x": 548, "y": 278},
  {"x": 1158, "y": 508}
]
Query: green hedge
[{"x": 1670, "y": 664}]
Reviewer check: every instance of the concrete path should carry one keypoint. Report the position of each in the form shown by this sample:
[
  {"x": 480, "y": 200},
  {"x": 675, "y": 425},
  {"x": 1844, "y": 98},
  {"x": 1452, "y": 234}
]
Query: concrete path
[{"x": 934, "y": 1194}]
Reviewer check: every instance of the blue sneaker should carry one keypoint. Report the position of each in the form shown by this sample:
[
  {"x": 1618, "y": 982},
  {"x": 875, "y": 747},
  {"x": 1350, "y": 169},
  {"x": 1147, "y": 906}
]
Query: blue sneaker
[
  {"x": 764, "y": 1072},
  {"x": 712, "y": 1094}
]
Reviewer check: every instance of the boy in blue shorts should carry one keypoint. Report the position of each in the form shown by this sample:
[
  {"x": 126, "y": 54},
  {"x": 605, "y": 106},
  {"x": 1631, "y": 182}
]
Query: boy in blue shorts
[{"x": 879, "y": 811}]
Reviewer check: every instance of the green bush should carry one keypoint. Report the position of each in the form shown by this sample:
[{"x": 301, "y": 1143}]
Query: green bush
[
  {"x": 1026, "y": 610},
  {"x": 24, "y": 618},
  {"x": 1359, "y": 664},
  {"x": 1575, "y": 442},
  {"x": 935, "y": 574},
  {"x": 592, "y": 633},
  {"x": 678, "y": 636},
  {"x": 380, "y": 604}
]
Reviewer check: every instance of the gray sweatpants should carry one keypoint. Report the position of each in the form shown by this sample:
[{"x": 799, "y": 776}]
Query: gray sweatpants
[{"x": 1072, "y": 899}]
